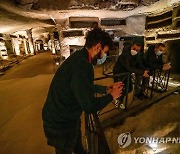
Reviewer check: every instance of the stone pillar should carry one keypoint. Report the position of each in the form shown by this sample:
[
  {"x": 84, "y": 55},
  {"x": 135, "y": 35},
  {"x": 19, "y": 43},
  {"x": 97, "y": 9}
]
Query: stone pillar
[
  {"x": 25, "y": 45},
  {"x": 52, "y": 43},
  {"x": 15, "y": 44},
  {"x": 65, "y": 49},
  {"x": 30, "y": 40},
  {"x": 3, "y": 49}
]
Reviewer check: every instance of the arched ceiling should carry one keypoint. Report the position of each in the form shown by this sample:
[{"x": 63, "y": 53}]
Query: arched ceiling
[
  {"x": 19, "y": 15},
  {"x": 93, "y": 4}
]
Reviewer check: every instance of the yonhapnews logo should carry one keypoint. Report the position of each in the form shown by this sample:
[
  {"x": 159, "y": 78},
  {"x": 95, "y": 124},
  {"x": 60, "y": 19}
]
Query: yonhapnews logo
[{"x": 125, "y": 139}]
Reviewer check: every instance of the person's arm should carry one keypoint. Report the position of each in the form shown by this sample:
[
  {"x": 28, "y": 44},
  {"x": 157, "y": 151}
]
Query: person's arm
[
  {"x": 83, "y": 90},
  {"x": 152, "y": 64},
  {"x": 100, "y": 89},
  {"x": 160, "y": 59},
  {"x": 140, "y": 63},
  {"x": 127, "y": 65}
]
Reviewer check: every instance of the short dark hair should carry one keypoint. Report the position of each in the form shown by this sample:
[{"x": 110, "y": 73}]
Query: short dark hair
[
  {"x": 160, "y": 45},
  {"x": 138, "y": 41},
  {"x": 94, "y": 25},
  {"x": 96, "y": 36}
]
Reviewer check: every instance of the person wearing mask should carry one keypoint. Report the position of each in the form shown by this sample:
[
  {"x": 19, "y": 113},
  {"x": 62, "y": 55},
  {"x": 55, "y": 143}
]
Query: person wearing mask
[
  {"x": 72, "y": 91},
  {"x": 128, "y": 62},
  {"x": 153, "y": 58}
]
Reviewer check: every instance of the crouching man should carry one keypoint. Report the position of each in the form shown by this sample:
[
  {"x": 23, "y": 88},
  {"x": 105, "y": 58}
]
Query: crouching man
[
  {"x": 153, "y": 58},
  {"x": 128, "y": 62}
]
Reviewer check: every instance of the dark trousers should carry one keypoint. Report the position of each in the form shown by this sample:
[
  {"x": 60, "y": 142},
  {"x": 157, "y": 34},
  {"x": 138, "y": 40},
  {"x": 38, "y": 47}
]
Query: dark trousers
[
  {"x": 140, "y": 84},
  {"x": 78, "y": 148},
  {"x": 127, "y": 85}
]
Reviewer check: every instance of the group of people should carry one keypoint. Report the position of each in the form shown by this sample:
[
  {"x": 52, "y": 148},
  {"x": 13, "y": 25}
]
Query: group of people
[
  {"x": 72, "y": 89},
  {"x": 134, "y": 60}
]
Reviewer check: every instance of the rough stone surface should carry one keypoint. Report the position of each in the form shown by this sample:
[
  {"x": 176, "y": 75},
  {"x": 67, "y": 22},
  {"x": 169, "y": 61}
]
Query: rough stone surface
[
  {"x": 26, "y": 1},
  {"x": 61, "y": 4}
]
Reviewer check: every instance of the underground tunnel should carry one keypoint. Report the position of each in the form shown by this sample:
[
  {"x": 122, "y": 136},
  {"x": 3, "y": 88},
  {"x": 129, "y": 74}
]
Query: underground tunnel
[{"x": 52, "y": 79}]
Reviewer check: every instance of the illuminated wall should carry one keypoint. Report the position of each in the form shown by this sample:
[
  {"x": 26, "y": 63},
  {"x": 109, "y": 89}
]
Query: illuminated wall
[
  {"x": 66, "y": 42},
  {"x": 15, "y": 43},
  {"x": 3, "y": 50},
  {"x": 25, "y": 45}
]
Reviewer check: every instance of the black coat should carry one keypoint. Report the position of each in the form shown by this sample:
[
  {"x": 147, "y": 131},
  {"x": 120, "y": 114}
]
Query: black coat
[
  {"x": 126, "y": 63},
  {"x": 72, "y": 91},
  {"x": 151, "y": 60}
]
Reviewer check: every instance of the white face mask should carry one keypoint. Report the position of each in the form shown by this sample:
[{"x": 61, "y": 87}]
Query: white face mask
[
  {"x": 158, "y": 53},
  {"x": 133, "y": 52},
  {"x": 102, "y": 60}
]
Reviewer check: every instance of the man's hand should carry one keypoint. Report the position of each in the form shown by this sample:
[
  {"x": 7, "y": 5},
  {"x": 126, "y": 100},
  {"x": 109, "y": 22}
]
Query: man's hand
[
  {"x": 166, "y": 67},
  {"x": 146, "y": 75},
  {"x": 115, "y": 84},
  {"x": 116, "y": 90}
]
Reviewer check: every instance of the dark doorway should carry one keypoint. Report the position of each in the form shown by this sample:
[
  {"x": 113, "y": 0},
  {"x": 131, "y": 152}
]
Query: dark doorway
[{"x": 173, "y": 47}]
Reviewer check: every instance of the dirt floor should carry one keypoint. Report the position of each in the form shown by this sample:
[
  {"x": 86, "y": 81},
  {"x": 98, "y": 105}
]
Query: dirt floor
[
  {"x": 160, "y": 120},
  {"x": 23, "y": 90}
]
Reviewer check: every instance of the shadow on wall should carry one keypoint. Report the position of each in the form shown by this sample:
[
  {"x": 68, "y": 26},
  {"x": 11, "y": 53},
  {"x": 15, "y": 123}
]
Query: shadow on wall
[
  {"x": 51, "y": 4},
  {"x": 173, "y": 47}
]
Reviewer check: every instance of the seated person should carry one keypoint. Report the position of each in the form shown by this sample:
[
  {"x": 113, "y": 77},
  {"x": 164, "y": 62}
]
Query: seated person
[
  {"x": 153, "y": 58},
  {"x": 128, "y": 62}
]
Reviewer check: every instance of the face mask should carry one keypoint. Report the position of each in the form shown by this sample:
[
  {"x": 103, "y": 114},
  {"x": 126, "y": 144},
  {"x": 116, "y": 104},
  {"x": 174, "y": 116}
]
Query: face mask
[
  {"x": 102, "y": 60},
  {"x": 133, "y": 52},
  {"x": 159, "y": 53}
]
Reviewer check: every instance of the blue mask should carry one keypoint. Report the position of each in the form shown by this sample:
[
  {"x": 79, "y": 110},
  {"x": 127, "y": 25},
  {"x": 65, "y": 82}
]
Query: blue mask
[
  {"x": 102, "y": 60},
  {"x": 159, "y": 53}
]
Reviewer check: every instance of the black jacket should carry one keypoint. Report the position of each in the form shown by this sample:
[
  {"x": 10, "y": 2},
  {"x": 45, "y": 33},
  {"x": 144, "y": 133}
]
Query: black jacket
[
  {"x": 151, "y": 60},
  {"x": 72, "y": 91},
  {"x": 126, "y": 63}
]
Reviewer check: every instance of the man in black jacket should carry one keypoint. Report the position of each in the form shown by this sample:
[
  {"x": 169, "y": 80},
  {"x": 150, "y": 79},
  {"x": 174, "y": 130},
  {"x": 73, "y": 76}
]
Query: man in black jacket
[
  {"x": 153, "y": 58},
  {"x": 130, "y": 62},
  {"x": 72, "y": 91}
]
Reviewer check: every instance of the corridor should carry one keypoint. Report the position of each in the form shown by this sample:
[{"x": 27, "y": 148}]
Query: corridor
[{"x": 23, "y": 90}]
